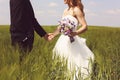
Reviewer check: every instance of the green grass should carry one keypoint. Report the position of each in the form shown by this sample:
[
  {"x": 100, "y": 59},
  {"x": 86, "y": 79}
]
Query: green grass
[{"x": 39, "y": 65}]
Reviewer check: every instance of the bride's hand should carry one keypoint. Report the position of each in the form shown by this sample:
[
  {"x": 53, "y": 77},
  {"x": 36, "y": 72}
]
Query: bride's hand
[
  {"x": 51, "y": 36},
  {"x": 73, "y": 34}
]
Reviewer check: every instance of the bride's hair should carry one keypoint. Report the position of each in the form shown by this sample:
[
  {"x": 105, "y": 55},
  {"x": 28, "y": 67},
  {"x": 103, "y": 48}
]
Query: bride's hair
[{"x": 77, "y": 3}]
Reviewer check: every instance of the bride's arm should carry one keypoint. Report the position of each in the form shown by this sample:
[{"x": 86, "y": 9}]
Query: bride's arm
[
  {"x": 81, "y": 19},
  {"x": 57, "y": 31}
]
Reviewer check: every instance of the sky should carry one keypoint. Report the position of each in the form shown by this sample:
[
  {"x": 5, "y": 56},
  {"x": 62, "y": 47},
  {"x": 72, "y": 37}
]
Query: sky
[{"x": 49, "y": 12}]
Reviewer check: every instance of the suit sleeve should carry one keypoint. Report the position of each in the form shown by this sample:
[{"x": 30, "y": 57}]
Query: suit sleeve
[{"x": 37, "y": 27}]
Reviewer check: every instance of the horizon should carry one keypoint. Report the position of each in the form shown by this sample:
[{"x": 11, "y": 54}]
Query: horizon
[
  {"x": 100, "y": 13},
  {"x": 1, "y": 25}
]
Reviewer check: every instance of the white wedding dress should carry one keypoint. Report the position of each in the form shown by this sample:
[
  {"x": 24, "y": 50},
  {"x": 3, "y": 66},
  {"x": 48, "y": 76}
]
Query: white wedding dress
[{"x": 76, "y": 53}]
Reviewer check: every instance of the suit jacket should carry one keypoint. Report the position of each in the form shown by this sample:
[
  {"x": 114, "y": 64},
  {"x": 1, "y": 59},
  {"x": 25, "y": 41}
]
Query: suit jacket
[{"x": 23, "y": 21}]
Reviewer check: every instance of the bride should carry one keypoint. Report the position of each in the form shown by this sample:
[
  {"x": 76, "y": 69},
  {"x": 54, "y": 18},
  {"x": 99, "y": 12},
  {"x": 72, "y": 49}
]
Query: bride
[{"x": 69, "y": 45}]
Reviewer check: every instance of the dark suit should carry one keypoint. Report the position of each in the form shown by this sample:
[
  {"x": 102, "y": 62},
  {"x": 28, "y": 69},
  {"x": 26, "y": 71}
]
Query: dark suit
[{"x": 23, "y": 24}]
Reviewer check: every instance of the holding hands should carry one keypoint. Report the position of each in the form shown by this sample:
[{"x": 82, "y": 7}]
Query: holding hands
[{"x": 49, "y": 36}]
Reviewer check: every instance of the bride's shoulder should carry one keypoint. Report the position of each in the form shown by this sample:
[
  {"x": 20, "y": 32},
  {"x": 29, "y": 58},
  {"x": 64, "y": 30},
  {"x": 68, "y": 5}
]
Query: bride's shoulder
[
  {"x": 65, "y": 10},
  {"x": 76, "y": 9}
]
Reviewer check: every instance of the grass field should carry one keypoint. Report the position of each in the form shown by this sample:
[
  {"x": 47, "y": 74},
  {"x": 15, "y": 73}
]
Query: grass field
[{"x": 39, "y": 65}]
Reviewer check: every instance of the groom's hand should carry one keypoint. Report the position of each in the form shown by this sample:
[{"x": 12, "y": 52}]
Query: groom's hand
[
  {"x": 49, "y": 36},
  {"x": 46, "y": 37}
]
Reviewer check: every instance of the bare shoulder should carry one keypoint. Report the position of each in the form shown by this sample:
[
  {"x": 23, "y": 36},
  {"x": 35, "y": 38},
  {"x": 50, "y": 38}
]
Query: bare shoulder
[
  {"x": 65, "y": 10},
  {"x": 77, "y": 11}
]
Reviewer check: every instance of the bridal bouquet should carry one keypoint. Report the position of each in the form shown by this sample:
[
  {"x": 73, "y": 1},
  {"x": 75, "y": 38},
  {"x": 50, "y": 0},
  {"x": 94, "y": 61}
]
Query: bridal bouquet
[{"x": 67, "y": 26}]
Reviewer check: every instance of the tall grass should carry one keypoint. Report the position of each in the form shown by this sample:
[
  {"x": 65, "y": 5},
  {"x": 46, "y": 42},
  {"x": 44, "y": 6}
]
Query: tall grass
[{"x": 39, "y": 64}]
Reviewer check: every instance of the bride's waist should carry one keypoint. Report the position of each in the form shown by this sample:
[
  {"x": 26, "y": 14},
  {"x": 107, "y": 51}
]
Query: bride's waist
[{"x": 64, "y": 35}]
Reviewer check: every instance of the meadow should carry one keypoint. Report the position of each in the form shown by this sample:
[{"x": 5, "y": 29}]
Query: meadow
[{"x": 39, "y": 64}]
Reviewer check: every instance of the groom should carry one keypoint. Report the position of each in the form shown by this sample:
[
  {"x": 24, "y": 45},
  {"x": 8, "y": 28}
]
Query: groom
[{"x": 23, "y": 25}]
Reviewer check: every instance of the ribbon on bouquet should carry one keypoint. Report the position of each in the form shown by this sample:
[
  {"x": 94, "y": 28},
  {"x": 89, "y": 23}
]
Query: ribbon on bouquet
[{"x": 67, "y": 32}]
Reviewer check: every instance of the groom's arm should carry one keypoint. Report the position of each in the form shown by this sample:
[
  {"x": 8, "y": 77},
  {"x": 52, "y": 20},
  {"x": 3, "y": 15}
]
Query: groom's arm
[{"x": 37, "y": 27}]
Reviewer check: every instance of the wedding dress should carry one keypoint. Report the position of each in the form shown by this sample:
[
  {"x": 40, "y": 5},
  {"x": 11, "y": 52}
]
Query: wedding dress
[{"x": 76, "y": 52}]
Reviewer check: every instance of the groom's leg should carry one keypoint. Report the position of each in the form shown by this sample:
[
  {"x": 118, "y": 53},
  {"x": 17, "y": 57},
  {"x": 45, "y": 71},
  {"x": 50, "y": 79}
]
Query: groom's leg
[{"x": 23, "y": 47}]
